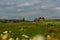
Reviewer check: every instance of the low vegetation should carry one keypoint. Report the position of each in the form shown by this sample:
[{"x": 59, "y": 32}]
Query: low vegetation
[{"x": 16, "y": 29}]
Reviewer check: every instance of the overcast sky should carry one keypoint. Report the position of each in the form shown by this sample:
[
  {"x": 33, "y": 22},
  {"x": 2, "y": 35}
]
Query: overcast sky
[{"x": 29, "y": 8}]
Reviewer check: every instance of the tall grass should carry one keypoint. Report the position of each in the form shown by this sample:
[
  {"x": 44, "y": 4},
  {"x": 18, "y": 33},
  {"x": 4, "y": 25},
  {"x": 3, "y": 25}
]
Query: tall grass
[{"x": 29, "y": 28}]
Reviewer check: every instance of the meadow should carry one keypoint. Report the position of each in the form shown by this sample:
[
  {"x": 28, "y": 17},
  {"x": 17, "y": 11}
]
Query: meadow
[{"x": 30, "y": 28}]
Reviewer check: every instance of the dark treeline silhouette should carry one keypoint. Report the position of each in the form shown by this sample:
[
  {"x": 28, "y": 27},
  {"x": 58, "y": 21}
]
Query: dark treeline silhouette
[
  {"x": 5, "y": 20},
  {"x": 13, "y": 20}
]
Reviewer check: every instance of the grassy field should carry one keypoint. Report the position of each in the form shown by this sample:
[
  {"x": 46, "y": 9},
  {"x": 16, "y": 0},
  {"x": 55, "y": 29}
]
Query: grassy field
[{"x": 30, "y": 28}]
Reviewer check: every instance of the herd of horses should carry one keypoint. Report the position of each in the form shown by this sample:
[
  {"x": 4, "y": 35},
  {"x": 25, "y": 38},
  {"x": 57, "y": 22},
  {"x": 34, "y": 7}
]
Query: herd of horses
[
  {"x": 35, "y": 19},
  {"x": 39, "y": 19},
  {"x": 22, "y": 19}
]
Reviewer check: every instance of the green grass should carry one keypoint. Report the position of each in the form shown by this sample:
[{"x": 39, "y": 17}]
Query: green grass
[{"x": 29, "y": 28}]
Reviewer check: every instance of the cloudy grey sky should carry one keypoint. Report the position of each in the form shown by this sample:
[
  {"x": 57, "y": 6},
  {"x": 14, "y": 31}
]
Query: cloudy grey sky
[{"x": 29, "y": 8}]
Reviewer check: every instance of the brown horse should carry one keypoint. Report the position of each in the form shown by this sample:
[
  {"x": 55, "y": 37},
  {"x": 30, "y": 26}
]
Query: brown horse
[
  {"x": 22, "y": 19},
  {"x": 39, "y": 19}
]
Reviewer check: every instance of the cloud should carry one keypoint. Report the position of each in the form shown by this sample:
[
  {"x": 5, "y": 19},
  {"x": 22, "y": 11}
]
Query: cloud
[
  {"x": 24, "y": 4},
  {"x": 4, "y": 17},
  {"x": 27, "y": 3},
  {"x": 57, "y": 8},
  {"x": 44, "y": 7},
  {"x": 14, "y": 8}
]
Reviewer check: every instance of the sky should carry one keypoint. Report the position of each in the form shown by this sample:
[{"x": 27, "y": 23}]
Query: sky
[{"x": 11, "y": 9}]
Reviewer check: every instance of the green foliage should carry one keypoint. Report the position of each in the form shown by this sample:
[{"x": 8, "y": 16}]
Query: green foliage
[{"x": 29, "y": 28}]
